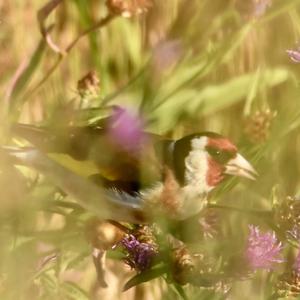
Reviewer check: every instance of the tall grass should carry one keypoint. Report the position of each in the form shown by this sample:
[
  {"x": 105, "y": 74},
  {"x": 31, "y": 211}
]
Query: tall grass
[{"x": 185, "y": 66}]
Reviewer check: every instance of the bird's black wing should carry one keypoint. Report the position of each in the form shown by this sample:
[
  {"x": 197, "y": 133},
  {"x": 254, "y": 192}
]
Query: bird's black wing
[{"x": 116, "y": 168}]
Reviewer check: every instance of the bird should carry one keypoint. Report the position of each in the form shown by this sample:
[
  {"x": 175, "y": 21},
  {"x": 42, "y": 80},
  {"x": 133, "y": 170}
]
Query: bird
[{"x": 144, "y": 178}]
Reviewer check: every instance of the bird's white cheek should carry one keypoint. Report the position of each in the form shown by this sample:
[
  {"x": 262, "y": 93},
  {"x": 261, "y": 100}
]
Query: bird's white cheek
[
  {"x": 193, "y": 161},
  {"x": 196, "y": 170}
]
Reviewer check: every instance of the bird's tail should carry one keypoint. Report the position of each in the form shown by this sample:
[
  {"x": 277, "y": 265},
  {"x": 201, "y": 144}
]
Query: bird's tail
[
  {"x": 34, "y": 134},
  {"x": 106, "y": 204}
]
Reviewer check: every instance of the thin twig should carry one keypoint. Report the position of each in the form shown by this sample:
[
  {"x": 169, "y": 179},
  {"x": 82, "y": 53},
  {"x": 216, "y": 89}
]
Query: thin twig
[
  {"x": 12, "y": 85},
  {"x": 101, "y": 23},
  {"x": 42, "y": 15},
  {"x": 119, "y": 226}
]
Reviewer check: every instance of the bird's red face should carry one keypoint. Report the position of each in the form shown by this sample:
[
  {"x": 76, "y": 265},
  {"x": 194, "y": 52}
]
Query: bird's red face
[
  {"x": 219, "y": 150},
  {"x": 208, "y": 158}
]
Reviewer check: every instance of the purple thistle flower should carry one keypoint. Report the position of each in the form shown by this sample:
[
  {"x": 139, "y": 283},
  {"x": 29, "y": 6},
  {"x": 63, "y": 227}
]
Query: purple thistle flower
[
  {"x": 126, "y": 129},
  {"x": 166, "y": 54},
  {"x": 263, "y": 249},
  {"x": 294, "y": 55},
  {"x": 260, "y": 7},
  {"x": 139, "y": 255}
]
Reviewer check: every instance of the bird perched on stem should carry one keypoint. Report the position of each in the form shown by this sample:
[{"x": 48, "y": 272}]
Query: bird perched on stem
[{"x": 134, "y": 182}]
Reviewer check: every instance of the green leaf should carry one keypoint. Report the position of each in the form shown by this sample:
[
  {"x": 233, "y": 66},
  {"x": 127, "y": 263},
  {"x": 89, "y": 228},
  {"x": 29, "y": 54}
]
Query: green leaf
[
  {"x": 280, "y": 8},
  {"x": 144, "y": 277},
  {"x": 203, "y": 65},
  {"x": 214, "y": 98},
  {"x": 252, "y": 92},
  {"x": 179, "y": 289},
  {"x": 73, "y": 291},
  {"x": 24, "y": 78},
  {"x": 49, "y": 281},
  {"x": 85, "y": 19}
]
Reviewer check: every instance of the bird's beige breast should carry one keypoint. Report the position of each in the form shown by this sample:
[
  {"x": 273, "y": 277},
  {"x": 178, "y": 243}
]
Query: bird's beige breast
[{"x": 173, "y": 200}]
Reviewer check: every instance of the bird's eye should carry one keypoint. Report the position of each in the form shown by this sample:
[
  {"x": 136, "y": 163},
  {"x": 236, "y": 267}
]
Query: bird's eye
[
  {"x": 220, "y": 156},
  {"x": 213, "y": 152}
]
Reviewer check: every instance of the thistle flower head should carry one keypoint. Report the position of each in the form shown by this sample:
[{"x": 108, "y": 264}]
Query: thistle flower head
[
  {"x": 260, "y": 7},
  {"x": 139, "y": 255},
  {"x": 296, "y": 266},
  {"x": 294, "y": 55},
  {"x": 183, "y": 265},
  {"x": 288, "y": 285},
  {"x": 166, "y": 54},
  {"x": 263, "y": 249},
  {"x": 126, "y": 129},
  {"x": 253, "y": 8}
]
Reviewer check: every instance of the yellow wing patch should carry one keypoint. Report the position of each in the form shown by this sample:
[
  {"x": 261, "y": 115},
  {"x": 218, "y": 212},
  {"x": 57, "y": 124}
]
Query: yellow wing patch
[{"x": 84, "y": 168}]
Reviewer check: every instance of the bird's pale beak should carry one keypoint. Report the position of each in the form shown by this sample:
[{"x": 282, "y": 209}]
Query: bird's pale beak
[{"x": 239, "y": 166}]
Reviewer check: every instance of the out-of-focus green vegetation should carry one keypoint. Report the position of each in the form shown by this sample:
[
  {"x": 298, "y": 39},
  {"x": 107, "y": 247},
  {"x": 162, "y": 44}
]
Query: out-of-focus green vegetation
[{"x": 185, "y": 66}]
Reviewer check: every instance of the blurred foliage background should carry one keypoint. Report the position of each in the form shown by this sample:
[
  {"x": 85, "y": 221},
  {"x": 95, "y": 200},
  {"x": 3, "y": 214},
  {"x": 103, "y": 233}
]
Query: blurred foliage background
[{"x": 185, "y": 66}]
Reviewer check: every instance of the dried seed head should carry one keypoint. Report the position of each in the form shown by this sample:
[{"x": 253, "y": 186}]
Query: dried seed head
[
  {"x": 209, "y": 224},
  {"x": 287, "y": 216},
  {"x": 183, "y": 265},
  {"x": 128, "y": 8},
  {"x": 288, "y": 212},
  {"x": 89, "y": 85},
  {"x": 145, "y": 234},
  {"x": 257, "y": 126},
  {"x": 288, "y": 285}
]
